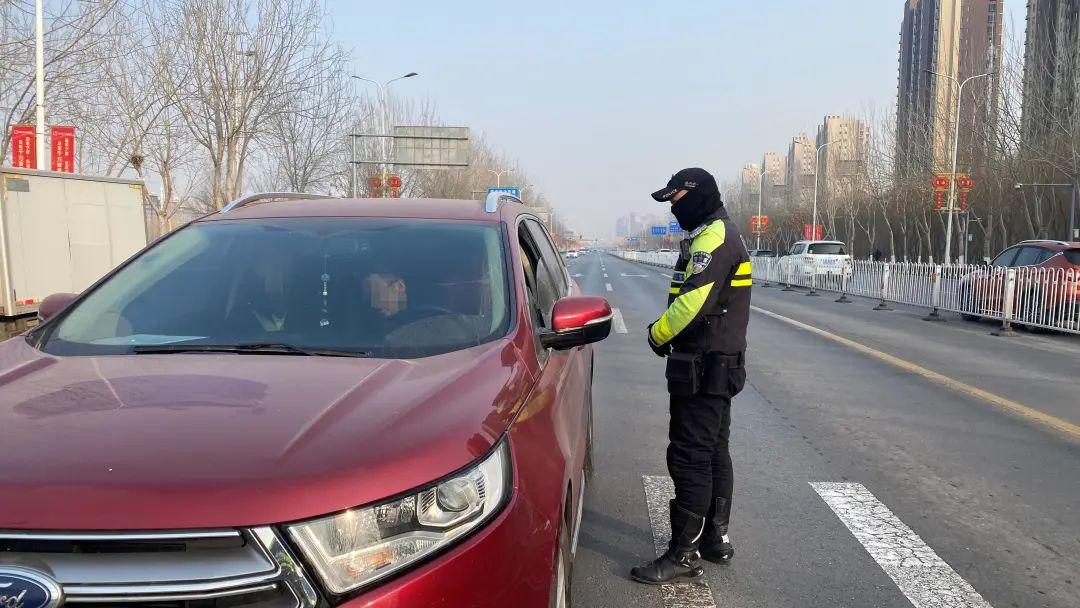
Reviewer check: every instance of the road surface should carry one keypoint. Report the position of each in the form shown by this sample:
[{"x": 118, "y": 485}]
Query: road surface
[{"x": 864, "y": 477}]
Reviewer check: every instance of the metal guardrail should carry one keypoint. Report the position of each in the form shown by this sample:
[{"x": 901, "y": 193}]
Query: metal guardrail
[{"x": 1047, "y": 298}]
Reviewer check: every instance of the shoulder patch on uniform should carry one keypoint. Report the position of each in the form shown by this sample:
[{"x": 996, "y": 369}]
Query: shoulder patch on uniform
[{"x": 699, "y": 262}]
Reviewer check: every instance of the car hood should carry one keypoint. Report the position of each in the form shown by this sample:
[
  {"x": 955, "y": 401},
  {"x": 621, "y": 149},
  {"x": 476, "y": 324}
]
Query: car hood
[{"x": 205, "y": 440}]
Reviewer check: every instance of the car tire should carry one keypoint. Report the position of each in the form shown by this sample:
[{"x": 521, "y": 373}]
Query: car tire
[{"x": 563, "y": 570}]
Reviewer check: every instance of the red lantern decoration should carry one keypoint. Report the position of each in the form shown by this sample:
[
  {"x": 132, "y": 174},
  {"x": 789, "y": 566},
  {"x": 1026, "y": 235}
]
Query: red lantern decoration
[{"x": 394, "y": 181}]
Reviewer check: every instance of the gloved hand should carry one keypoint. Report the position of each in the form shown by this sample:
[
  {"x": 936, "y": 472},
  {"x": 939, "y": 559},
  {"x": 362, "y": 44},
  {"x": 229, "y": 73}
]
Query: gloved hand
[{"x": 661, "y": 350}]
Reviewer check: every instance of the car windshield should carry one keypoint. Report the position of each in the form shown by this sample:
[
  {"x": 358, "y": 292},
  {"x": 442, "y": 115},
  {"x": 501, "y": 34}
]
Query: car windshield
[
  {"x": 382, "y": 287},
  {"x": 827, "y": 249}
]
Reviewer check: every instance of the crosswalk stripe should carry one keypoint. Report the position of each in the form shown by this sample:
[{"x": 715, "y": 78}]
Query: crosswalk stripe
[
  {"x": 609, "y": 287},
  {"x": 658, "y": 491},
  {"x": 923, "y": 577}
]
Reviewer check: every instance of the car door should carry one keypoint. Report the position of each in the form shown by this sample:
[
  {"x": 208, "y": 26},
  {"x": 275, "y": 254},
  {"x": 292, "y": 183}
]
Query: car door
[
  {"x": 989, "y": 284},
  {"x": 561, "y": 392}
]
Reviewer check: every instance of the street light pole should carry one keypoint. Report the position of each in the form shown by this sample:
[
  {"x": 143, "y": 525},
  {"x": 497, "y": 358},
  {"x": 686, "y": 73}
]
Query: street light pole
[
  {"x": 817, "y": 171},
  {"x": 817, "y": 165},
  {"x": 384, "y": 116},
  {"x": 761, "y": 193},
  {"x": 39, "y": 60},
  {"x": 498, "y": 176},
  {"x": 955, "y": 146},
  {"x": 1072, "y": 204}
]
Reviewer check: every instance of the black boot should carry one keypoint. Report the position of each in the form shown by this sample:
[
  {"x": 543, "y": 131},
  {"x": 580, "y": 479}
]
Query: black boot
[
  {"x": 681, "y": 561},
  {"x": 715, "y": 545}
]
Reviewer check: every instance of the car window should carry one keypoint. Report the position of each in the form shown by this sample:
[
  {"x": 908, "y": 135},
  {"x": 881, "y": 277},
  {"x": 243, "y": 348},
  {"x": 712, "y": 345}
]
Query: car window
[
  {"x": 796, "y": 249},
  {"x": 1006, "y": 257},
  {"x": 552, "y": 261},
  {"x": 827, "y": 249},
  {"x": 544, "y": 290},
  {"x": 1073, "y": 256},
  {"x": 1028, "y": 256},
  {"x": 388, "y": 288}
]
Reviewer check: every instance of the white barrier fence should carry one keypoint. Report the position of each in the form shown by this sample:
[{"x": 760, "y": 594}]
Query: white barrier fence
[{"x": 1036, "y": 297}]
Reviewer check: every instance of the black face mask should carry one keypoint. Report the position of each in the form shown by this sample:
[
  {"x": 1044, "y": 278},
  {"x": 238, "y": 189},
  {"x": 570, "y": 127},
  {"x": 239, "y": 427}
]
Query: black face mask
[{"x": 695, "y": 207}]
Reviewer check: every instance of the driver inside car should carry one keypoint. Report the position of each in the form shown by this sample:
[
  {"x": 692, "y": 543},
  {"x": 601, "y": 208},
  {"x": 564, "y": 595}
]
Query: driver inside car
[{"x": 388, "y": 293}]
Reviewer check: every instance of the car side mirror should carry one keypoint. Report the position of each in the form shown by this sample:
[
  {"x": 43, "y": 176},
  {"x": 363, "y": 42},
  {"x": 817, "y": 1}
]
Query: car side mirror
[
  {"x": 577, "y": 321},
  {"x": 54, "y": 304}
]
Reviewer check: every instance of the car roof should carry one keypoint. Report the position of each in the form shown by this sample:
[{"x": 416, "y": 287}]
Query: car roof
[
  {"x": 1049, "y": 244},
  {"x": 412, "y": 208}
]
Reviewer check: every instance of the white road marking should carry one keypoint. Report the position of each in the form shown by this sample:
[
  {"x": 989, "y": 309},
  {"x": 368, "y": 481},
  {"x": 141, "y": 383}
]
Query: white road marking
[
  {"x": 609, "y": 287},
  {"x": 617, "y": 322},
  {"x": 658, "y": 491},
  {"x": 633, "y": 275},
  {"x": 922, "y": 576},
  {"x": 605, "y": 275},
  {"x": 577, "y": 275},
  {"x": 665, "y": 275}
]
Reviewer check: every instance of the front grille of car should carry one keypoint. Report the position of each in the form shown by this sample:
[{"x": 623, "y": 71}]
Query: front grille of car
[{"x": 249, "y": 568}]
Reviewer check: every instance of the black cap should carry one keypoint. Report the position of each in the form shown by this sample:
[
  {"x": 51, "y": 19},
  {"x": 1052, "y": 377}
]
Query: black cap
[{"x": 687, "y": 179}]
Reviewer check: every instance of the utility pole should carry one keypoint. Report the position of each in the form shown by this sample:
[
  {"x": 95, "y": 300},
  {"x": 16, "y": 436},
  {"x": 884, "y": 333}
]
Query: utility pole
[{"x": 39, "y": 60}]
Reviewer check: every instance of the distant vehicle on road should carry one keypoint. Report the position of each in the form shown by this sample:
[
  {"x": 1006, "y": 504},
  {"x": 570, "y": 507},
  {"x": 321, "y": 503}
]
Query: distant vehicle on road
[
  {"x": 819, "y": 258},
  {"x": 573, "y": 253},
  {"x": 1047, "y": 282},
  {"x": 309, "y": 403}
]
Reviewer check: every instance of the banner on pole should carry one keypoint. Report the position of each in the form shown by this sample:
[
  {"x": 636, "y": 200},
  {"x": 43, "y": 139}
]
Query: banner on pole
[
  {"x": 63, "y": 149},
  {"x": 759, "y": 224},
  {"x": 23, "y": 147},
  {"x": 814, "y": 235}
]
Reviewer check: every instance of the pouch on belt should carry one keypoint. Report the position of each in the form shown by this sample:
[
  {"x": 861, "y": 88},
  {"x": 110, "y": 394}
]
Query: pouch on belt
[
  {"x": 683, "y": 373},
  {"x": 724, "y": 375}
]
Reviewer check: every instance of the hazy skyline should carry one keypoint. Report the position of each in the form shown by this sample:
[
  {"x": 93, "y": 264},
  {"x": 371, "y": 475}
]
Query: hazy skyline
[{"x": 601, "y": 101}]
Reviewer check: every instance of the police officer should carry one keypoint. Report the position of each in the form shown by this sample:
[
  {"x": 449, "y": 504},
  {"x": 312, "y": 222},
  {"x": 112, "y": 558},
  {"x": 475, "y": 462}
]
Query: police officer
[{"x": 703, "y": 336}]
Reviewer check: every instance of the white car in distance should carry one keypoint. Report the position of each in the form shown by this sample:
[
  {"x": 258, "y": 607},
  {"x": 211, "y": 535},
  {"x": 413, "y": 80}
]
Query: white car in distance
[{"x": 819, "y": 257}]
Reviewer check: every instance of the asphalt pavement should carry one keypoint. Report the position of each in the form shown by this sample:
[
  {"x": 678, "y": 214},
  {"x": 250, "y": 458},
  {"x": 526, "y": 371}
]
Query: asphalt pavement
[{"x": 859, "y": 482}]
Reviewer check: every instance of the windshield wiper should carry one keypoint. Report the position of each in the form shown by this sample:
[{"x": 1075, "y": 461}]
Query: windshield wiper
[{"x": 261, "y": 348}]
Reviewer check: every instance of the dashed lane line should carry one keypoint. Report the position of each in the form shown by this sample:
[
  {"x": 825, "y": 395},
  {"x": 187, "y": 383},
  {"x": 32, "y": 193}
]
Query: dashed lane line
[
  {"x": 924, "y": 578},
  {"x": 609, "y": 287},
  {"x": 658, "y": 491},
  {"x": 1018, "y": 409},
  {"x": 617, "y": 322},
  {"x": 605, "y": 275}
]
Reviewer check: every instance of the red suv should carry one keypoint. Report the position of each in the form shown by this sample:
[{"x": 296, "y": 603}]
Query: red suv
[
  {"x": 306, "y": 403},
  {"x": 1047, "y": 283}
]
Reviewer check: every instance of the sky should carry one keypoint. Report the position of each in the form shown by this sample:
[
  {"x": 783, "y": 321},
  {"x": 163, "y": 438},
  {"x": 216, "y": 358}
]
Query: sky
[{"x": 602, "y": 100}]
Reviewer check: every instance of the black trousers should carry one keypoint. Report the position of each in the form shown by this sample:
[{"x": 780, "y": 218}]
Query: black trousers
[{"x": 698, "y": 458}]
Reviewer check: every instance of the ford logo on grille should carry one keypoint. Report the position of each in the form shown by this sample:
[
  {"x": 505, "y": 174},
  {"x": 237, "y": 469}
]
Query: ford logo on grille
[{"x": 22, "y": 588}]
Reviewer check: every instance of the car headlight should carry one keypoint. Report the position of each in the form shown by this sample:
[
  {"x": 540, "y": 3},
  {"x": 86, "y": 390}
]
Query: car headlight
[{"x": 351, "y": 549}]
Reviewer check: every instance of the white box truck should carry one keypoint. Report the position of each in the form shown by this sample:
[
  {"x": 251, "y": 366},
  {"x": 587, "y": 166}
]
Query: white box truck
[{"x": 61, "y": 232}]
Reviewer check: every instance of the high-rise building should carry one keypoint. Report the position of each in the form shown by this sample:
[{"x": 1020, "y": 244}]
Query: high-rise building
[
  {"x": 801, "y": 165},
  {"x": 748, "y": 187},
  {"x": 775, "y": 167},
  {"x": 941, "y": 39},
  {"x": 1051, "y": 61},
  {"x": 844, "y": 159}
]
